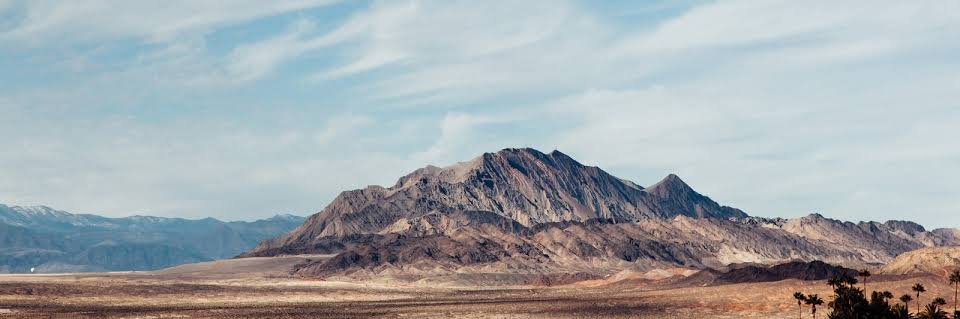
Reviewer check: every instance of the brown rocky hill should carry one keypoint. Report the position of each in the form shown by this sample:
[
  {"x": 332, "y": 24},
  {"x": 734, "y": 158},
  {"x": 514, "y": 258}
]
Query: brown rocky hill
[
  {"x": 523, "y": 211},
  {"x": 814, "y": 270},
  {"x": 929, "y": 260}
]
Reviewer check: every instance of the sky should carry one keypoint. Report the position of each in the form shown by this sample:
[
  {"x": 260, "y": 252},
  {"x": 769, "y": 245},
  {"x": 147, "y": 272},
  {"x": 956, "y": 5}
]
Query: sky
[{"x": 244, "y": 109}]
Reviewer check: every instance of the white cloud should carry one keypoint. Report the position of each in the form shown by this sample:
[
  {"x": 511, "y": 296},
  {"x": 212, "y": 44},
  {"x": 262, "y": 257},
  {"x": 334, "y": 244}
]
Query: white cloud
[
  {"x": 192, "y": 168},
  {"x": 778, "y": 107},
  {"x": 252, "y": 61},
  {"x": 340, "y": 126},
  {"x": 457, "y": 130},
  {"x": 779, "y": 23},
  {"x": 463, "y": 48},
  {"x": 55, "y": 22},
  {"x": 452, "y": 52}
]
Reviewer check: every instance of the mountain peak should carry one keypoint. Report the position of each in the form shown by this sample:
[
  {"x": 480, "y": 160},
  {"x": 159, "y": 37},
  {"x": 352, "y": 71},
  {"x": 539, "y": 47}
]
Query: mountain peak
[
  {"x": 673, "y": 178},
  {"x": 521, "y": 159},
  {"x": 669, "y": 184},
  {"x": 517, "y": 150}
]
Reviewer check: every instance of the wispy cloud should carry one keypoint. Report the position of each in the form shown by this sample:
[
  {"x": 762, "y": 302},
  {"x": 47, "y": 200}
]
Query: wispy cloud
[
  {"x": 779, "y": 107},
  {"x": 45, "y": 23}
]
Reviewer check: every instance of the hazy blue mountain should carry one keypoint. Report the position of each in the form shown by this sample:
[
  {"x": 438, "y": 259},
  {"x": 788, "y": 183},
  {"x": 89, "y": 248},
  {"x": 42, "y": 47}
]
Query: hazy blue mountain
[{"x": 52, "y": 240}]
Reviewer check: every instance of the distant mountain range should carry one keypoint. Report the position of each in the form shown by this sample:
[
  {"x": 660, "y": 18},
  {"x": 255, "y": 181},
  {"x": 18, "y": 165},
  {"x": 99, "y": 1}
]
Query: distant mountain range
[
  {"x": 524, "y": 211},
  {"x": 50, "y": 240}
]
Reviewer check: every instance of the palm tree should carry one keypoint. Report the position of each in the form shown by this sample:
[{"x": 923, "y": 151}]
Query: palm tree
[
  {"x": 865, "y": 273},
  {"x": 955, "y": 280},
  {"x": 848, "y": 280},
  {"x": 834, "y": 282},
  {"x": 814, "y": 301},
  {"x": 801, "y": 298},
  {"x": 886, "y": 295},
  {"x": 918, "y": 288},
  {"x": 939, "y": 301},
  {"x": 900, "y": 312},
  {"x": 906, "y": 299},
  {"x": 933, "y": 310}
]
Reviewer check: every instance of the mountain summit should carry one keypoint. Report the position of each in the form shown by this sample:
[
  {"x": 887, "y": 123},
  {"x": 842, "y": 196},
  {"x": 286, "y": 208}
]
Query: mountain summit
[{"x": 522, "y": 185}]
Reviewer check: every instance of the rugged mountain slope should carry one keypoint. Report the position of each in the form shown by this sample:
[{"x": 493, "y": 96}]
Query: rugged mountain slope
[
  {"x": 519, "y": 210},
  {"x": 523, "y": 185},
  {"x": 22, "y": 248},
  {"x": 930, "y": 260},
  {"x": 52, "y": 240},
  {"x": 598, "y": 247}
]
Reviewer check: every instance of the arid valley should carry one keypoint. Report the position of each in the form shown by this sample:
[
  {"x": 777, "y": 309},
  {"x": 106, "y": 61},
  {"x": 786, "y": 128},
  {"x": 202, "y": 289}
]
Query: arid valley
[{"x": 260, "y": 288}]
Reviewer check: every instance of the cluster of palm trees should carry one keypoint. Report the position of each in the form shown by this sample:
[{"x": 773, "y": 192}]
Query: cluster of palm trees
[
  {"x": 850, "y": 302},
  {"x": 812, "y": 300}
]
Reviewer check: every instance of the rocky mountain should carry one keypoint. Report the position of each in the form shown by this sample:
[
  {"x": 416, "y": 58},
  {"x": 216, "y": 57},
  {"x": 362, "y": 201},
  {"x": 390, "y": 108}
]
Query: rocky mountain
[
  {"x": 930, "y": 260},
  {"x": 523, "y": 211},
  {"x": 51, "y": 240},
  {"x": 814, "y": 270},
  {"x": 520, "y": 185}
]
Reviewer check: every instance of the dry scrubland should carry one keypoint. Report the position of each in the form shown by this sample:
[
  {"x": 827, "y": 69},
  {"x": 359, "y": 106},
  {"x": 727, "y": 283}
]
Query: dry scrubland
[{"x": 257, "y": 288}]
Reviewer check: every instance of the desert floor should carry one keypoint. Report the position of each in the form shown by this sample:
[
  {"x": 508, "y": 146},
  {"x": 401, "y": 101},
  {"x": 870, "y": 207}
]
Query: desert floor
[{"x": 251, "y": 289}]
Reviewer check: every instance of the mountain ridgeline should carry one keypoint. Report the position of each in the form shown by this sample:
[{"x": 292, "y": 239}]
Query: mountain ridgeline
[
  {"x": 526, "y": 211},
  {"x": 50, "y": 240},
  {"x": 521, "y": 185}
]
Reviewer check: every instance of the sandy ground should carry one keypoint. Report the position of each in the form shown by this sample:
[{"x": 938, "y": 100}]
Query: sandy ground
[{"x": 254, "y": 288}]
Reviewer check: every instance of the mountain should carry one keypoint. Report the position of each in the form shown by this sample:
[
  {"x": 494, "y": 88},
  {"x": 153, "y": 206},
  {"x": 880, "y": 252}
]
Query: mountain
[
  {"x": 51, "y": 240},
  {"x": 522, "y": 185},
  {"x": 815, "y": 270},
  {"x": 523, "y": 211},
  {"x": 930, "y": 260}
]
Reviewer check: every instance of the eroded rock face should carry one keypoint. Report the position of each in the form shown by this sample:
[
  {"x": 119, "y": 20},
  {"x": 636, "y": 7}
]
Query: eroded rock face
[{"x": 520, "y": 210}]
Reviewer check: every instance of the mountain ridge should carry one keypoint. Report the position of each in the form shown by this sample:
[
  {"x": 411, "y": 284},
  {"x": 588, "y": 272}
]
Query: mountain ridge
[
  {"x": 527, "y": 211},
  {"x": 51, "y": 240},
  {"x": 525, "y": 185}
]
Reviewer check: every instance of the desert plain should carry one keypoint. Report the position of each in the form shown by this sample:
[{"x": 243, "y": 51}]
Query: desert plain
[{"x": 262, "y": 288}]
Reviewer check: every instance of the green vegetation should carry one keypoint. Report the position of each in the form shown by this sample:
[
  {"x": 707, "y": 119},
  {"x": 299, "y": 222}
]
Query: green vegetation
[{"x": 851, "y": 302}]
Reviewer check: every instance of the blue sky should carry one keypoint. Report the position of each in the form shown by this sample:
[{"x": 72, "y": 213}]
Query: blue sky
[{"x": 245, "y": 109}]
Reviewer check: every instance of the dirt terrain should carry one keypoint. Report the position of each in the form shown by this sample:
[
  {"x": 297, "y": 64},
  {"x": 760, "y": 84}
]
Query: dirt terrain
[{"x": 259, "y": 288}]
